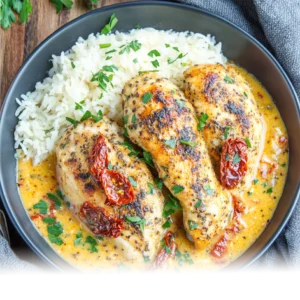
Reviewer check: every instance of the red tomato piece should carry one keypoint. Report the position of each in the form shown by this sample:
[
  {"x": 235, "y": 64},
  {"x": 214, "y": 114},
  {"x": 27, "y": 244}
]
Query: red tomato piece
[
  {"x": 163, "y": 255},
  {"x": 220, "y": 248},
  {"x": 233, "y": 165},
  {"x": 99, "y": 221},
  {"x": 117, "y": 188},
  {"x": 98, "y": 158}
]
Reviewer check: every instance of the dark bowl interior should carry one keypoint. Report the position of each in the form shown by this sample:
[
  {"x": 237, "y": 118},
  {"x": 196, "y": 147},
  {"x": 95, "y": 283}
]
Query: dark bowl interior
[{"x": 237, "y": 46}]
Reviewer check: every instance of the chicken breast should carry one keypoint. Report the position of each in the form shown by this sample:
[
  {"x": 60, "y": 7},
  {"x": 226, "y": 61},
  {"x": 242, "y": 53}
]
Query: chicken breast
[
  {"x": 118, "y": 206},
  {"x": 224, "y": 102},
  {"x": 165, "y": 125}
]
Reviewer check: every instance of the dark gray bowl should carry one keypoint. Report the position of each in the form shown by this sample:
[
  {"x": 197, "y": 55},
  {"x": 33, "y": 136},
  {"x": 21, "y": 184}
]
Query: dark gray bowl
[{"x": 237, "y": 46}]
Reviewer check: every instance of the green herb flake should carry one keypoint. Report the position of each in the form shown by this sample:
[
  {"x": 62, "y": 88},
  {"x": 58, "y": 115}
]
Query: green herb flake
[
  {"x": 137, "y": 26},
  {"x": 55, "y": 240},
  {"x": 171, "y": 143},
  {"x": 189, "y": 143},
  {"x": 176, "y": 189},
  {"x": 154, "y": 53},
  {"x": 171, "y": 61},
  {"x": 111, "y": 51},
  {"x": 55, "y": 199},
  {"x": 132, "y": 181},
  {"x": 228, "y": 79},
  {"x": 93, "y": 244},
  {"x": 42, "y": 206},
  {"x": 147, "y": 158},
  {"x": 55, "y": 230},
  {"x": 180, "y": 103},
  {"x": 198, "y": 203},
  {"x": 167, "y": 45},
  {"x": 72, "y": 121},
  {"x": 147, "y": 97},
  {"x": 158, "y": 183},
  {"x": 202, "y": 121},
  {"x": 192, "y": 225},
  {"x": 78, "y": 239},
  {"x": 236, "y": 159},
  {"x": 264, "y": 185},
  {"x": 133, "y": 119},
  {"x": 49, "y": 221},
  {"x": 155, "y": 63},
  {"x": 176, "y": 49},
  {"x": 110, "y": 26},
  {"x": 245, "y": 94},
  {"x": 255, "y": 181},
  {"x": 166, "y": 225},
  {"x": 208, "y": 190},
  {"x": 227, "y": 157},
  {"x": 151, "y": 188},
  {"x": 171, "y": 206},
  {"x": 135, "y": 61},
  {"x": 103, "y": 46},
  {"x": 248, "y": 142},
  {"x": 183, "y": 258},
  {"x": 73, "y": 65},
  {"x": 148, "y": 71},
  {"x": 269, "y": 190},
  {"x": 136, "y": 220},
  {"x": 109, "y": 167},
  {"x": 133, "y": 45},
  {"x": 226, "y": 131},
  {"x": 283, "y": 165}
]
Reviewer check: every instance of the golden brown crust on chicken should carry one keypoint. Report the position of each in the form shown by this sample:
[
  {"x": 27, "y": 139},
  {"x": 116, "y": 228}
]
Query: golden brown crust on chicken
[
  {"x": 165, "y": 126},
  {"x": 78, "y": 185},
  {"x": 224, "y": 95}
]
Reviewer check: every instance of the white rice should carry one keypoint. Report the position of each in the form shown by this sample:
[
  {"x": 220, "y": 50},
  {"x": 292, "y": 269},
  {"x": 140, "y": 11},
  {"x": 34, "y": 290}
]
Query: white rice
[{"x": 54, "y": 99}]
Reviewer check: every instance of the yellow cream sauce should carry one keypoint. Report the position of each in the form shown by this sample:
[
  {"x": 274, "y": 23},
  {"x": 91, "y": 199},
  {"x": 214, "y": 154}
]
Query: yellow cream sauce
[{"x": 36, "y": 181}]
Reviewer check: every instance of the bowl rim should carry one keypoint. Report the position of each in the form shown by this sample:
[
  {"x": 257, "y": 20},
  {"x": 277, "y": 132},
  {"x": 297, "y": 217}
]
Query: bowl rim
[{"x": 4, "y": 105}]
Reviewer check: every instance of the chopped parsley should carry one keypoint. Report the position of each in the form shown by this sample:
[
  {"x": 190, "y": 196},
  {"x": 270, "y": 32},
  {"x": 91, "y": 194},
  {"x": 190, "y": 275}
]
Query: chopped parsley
[
  {"x": 176, "y": 189},
  {"x": 283, "y": 165},
  {"x": 167, "y": 45},
  {"x": 133, "y": 119},
  {"x": 137, "y": 220},
  {"x": 208, "y": 189},
  {"x": 49, "y": 221},
  {"x": 54, "y": 231},
  {"x": 170, "y": 61},
  {"x": 73, "y": 65},
  {"x": 183, "y": 258},
  {"x": 202, "y": 121},
  {"x": 158, "y": 183},
  {"x": 88, "y": 115},
  {"x": 269, "y": 190},
  {"x": 165, "y": 247},
  {"x": 227, "y": 128},
  {"x": 171, "y": 206},
  {"x": 135, "y": 61},
  {"x": 171, "y": 143},
  {"x": 111, "y": 51},
  {"x": 255, "y": 181},
  {"x": 228, "y": 79},
  {"x": 133, "y": 45},
  {"x": 180, "y": 103},
  {"x": 264, "y": 185},
  {"x": 155, "y": 63},
  {"x": 110, "y": 26},
  {"x": 109, "y": 167},
  {"x": 147, "y": 97},
  {"x": 132, "y": 181},
  {"x": 245, "y": 94},
  {"x": 78, "y": 239},
  {"x": 154, "y": 53},
  {"x": 42, "y": 205},
  {"x": 137, "y": 26},
  {"x": 236, "y": 159},
  {"x": 176, "y": 49},
  {"x": 151, "y": 188},
  {"x": 125, "y": 119},
  {"x": 93, "y": 244},
  {"x": 103, "y": 46},
  {"x": 192, "y": 225},
  {"x": 227, "y": 157},
  {"x": 56, "y": 199},
  {"x": 147, "y": 158},
  {"x": 103, "y": 79},
  {"x": 166, "y": 225},
  {"x": 189, "y": 143},
  {"x": 72, "y": 121},
  {"x": 198, "y": 203},
  {"x": 248, "y": 142}
]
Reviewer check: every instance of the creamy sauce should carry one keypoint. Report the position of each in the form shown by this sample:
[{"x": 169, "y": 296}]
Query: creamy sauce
[{"x": 36, "y": 181}]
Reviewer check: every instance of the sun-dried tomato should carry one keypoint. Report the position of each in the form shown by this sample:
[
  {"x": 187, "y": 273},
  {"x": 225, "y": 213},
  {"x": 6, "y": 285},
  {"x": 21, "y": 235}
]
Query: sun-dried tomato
[
  {"x": 99, "y": 221},
  {"x": 164, "y": 254},
  {"x": 220, "y": 248},
  {"x": 117, "y": 188},
  {"x": 233, "y": 162},
  {"x": 98, "y": 158}
]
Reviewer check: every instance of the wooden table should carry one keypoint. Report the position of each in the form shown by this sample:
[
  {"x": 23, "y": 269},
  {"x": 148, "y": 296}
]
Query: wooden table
[{"x": 16, "y": 43}]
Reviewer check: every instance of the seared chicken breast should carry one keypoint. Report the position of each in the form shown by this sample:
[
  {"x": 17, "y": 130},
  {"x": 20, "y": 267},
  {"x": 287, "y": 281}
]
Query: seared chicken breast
[
  {"x": 230, "y": 120},
  {"x": 162, "y": 122},
  {"x": 108, "y": 189}
]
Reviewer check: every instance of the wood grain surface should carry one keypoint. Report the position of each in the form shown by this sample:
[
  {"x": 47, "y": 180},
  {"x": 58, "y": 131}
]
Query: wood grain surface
[{"x": 16, "y": 43}]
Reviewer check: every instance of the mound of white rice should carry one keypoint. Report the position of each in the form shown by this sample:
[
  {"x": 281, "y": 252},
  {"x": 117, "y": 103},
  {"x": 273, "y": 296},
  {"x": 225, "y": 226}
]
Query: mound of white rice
[{"x": 42, "y": 113}]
